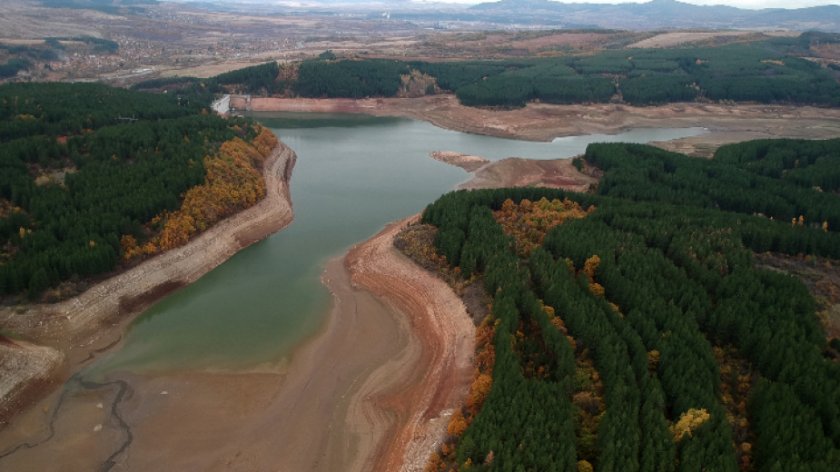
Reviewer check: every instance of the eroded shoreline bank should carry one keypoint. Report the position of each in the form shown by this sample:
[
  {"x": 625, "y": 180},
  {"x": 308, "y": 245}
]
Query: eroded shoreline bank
[
  {"x": 421, "y": 396},
  {"x": 369, "y": 406},
  {"x": 544, "y": 122},
  {"x": 372, "y": 390},
  {"x": 76, "y": 330}
]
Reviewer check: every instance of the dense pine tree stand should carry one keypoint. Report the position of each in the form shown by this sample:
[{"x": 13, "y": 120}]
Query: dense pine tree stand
[
  {"x": 707, "y": 361},
  {"x": 85, "y": 166}
]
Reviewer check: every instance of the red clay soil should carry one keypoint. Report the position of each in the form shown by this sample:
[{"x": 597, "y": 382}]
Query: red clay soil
[{"x": 422, "y": 400}]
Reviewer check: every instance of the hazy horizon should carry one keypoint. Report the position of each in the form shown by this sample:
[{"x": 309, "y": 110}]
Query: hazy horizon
[
  {"x": 749, "y": 4},
  {"x": 753, "y": 4}
]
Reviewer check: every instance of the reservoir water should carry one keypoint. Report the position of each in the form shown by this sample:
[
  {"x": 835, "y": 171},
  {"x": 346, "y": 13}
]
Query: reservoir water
[{"x": 354, "y": 174}]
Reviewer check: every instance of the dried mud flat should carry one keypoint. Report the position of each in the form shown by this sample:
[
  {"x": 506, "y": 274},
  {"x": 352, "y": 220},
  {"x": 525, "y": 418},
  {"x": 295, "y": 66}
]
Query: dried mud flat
[
  {"x": 25, "y": 368},
  {"x": 423, "y": 393},
  {"x": 373, "y": 390},
  {"x": 81, "y": 327},
  {"x": 519, "y": 172},
  {"x": 467, "y": 162}
]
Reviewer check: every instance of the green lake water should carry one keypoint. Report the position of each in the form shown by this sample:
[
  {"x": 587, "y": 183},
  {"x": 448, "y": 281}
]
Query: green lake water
[{"x": 354, "y": 174}]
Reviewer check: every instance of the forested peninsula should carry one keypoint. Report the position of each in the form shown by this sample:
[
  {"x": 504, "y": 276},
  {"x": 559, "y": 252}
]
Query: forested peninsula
[
  {"x": 109, "y": 200},
  {"x": 95, "y": 179},
  {"x": 643, "y": 327}
]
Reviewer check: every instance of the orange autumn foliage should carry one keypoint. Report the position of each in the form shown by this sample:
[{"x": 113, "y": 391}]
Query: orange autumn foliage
[
  {"x": 737, "y": 379},
  {"x": 457, "y": 425},
  {"x": 590, "y": 266},
  {"x": 129, "y": 246},
  {"x": 131, "y": 249},
  {"x": 485, "y": 358},
  {"x": 558, "y": 323},
  {"x": 529, "y": 222},
  {"x": 589, "y": 269},
  {"x": 689, "y": 422},
  {"x": 584, "y": 466},
  {"x": 485, "y": 351},
  {"x": 596, "y": 289},
  {"x": 435, "y": 463},
  {"x": 233, "y": 182},
  {"x": 478, "y": 391},
  {"x": 264, "y": 142}
]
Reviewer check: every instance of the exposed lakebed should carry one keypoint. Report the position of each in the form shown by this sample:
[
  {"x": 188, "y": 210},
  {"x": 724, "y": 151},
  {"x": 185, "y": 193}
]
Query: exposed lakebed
[
  {"x": 354, "y": 174},
  {"x": 207, "y": 365}
]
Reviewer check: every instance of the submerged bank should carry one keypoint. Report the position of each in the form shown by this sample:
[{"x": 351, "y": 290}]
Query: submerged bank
[{"x": 81, "y": 327}]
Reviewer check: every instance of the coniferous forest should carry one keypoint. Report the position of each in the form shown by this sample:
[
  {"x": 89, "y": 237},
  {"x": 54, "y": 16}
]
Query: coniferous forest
[
  {"x": 92, "y": 177},
  {"x": 633, "y": 330},
  {"x": 765, "y": 72}
]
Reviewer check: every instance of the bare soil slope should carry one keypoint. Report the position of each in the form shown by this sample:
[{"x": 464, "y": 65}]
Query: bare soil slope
[{"x": 429, "y": 388}]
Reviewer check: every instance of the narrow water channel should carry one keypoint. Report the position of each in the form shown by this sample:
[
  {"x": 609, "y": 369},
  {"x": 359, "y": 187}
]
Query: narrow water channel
[{"x": 353, "y": 175}]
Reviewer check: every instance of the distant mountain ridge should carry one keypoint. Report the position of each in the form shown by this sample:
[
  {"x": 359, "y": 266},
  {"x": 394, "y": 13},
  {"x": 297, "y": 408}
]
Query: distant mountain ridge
[
  {"x": 660, "y": 14},
  {"x": 653, "y": 15}
]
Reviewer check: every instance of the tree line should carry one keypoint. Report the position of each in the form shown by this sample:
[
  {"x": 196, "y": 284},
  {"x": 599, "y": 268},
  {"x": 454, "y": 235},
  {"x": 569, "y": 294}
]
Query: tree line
[
  {"x": 652, "y": 285},
  {"x": 764, "y": 72},
  {"x": 84, "y": 165}
]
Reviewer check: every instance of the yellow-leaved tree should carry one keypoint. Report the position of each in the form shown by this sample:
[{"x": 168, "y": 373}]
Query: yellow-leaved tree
[{"x": 689, "y": 421}]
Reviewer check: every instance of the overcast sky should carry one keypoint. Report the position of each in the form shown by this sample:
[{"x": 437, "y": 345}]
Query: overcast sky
[{"x": 732, "y": 3}]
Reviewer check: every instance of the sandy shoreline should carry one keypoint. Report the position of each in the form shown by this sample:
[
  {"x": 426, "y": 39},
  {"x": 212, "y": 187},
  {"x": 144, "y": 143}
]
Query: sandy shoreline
[
  {"x": 289, "y": 418},
  {"x": 82, "y": 326},
  {"x": 372, "y": 390},
  {"x": 544, "y": 122},
  {"x": 420, "y": 395},
  {"x": 380, "y": 404}
]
